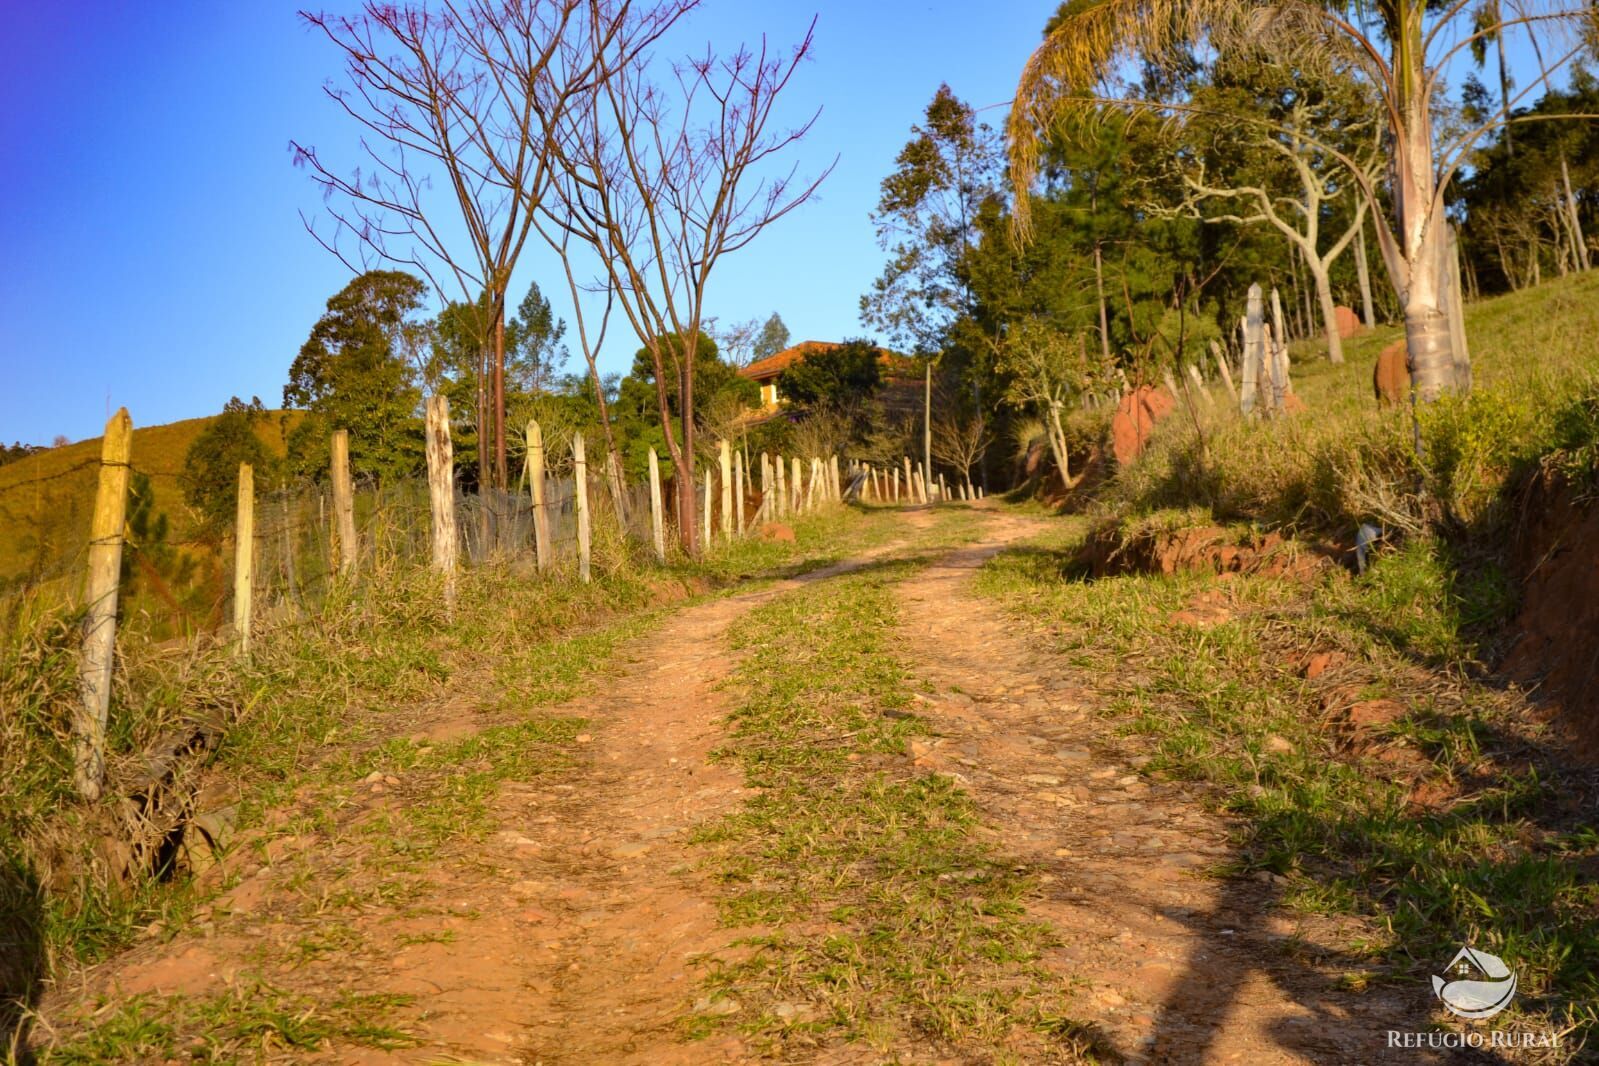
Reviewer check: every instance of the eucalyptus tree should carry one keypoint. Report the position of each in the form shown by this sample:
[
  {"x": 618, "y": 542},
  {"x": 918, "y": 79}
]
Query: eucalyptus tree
[{"x": 1401, "y": 49}]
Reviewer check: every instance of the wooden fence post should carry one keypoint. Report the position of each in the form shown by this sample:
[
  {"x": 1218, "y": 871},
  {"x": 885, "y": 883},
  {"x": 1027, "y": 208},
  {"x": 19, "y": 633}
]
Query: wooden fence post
[
  {"x": 707, "y": 537},
  {"x": 441, "y": 492},
  {"x": 580, "y": 484},
  {"x": 896, "y": 484},
  {"x": 100, "y": 621},
  {"x": 1222, "y": 368},
  {"x": 738, "y": 489},
  {"x": 1199, "y": 385},
  {"x": 1277, "y": 352},
  {"x": 781, "y": 498},
  {"x": 796, "y": 485},
  {"x": 910, "y": 493},
  {"x": 1254, "y": 326},
  {"x": 613, "y": 476},
  {"x": 244, "y": 558},
  {"x": 838, "y": 484},
  {"x": 535, "y": 477},
  {"x": 725, "y": 458},
  {"x": 657, "y": 524},
  {"x": 344, "y": 543}
]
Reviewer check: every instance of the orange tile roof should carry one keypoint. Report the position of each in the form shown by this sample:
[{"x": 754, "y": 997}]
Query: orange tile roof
[{"x": 773, "y": 365}]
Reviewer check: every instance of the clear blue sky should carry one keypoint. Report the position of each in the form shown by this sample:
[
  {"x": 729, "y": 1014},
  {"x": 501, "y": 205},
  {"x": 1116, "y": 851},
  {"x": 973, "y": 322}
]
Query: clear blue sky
[{"x": 151, "y": 250}]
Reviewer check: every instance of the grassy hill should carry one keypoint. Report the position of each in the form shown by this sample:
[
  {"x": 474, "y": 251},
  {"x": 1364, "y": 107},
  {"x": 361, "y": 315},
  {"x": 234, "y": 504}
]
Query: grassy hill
[
  {"x": 1344, "y": 460},
  {"x": 46, "y": 499}
]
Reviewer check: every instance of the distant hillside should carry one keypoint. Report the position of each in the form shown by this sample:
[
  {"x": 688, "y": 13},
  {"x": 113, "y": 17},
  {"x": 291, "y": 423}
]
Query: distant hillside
[{"x": 46, "y": 499}]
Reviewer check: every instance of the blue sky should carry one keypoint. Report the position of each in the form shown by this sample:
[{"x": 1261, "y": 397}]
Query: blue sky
[{"x": 151, "y": 248}]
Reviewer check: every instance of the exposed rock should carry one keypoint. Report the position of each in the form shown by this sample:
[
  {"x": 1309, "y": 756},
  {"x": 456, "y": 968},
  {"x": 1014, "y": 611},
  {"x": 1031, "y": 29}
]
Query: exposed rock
[
  {"x": 1390, "y": 378},
  {"x": 1136, "y": 417}
]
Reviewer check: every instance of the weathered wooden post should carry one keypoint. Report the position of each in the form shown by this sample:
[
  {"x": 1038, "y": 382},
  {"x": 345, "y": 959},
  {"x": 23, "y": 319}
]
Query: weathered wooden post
[
  {"x": 910, "y": 493},
  {"x": 1254, "y": 326},
  {"x": 1222, "y": 369},
  {"x": 344, "y": 543},
  {"x": 707, "y": 506},
  {"x": 738, "y": 490},
  {"x": 1171, "y": 385},
  {"x": 657, "y": 522},
  {"x": 100, "y": 620},
  {"x": 580, "y": 485},
  {"x": 838, "y": 483},
  {"x": 613, "y": 477},
  {"x": 244, "y": 558},
  {"x": 796, "y": 484},
  {"x": 766, "y": 479},
  {"x": 441, "y": 491},
  {"x": 1277, "y": 354},
  {"x": 726, "y": 459},
  {"x": 535, "y": 477},
  {"x": 1199, "y": 385},
  {"x": 781, "y": 498},
  {"x": 896, "y": 484}
]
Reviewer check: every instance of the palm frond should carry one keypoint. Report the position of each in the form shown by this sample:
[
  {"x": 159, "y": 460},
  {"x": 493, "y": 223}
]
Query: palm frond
[{"x": 1080, "y": 50}]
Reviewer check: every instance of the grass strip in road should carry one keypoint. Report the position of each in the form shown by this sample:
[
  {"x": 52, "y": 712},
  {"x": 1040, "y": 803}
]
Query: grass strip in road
[{"x": 883, "y": 917}]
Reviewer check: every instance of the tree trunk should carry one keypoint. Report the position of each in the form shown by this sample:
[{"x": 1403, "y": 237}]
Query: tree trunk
[
  {"x": 502, "y": 477},
  {"x": 1329, "y": 310},
  {"x": 1104, "y": 313},
  {"x": 1363, "y": 270},
  {"x": 685, "y": 479},
  {"x": 1421, "y": 233},
  {"x": 1057, "y": 445},
  {"x": 1580, "y": 241},
  {"x": 927, "y": 423}
]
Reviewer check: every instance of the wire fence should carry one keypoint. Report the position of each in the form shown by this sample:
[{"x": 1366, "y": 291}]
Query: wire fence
[{"x": 178, "y": 569}]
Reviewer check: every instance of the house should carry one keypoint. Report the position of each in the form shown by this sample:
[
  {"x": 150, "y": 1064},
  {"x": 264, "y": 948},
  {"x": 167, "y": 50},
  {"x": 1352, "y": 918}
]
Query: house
[{"x": 897, "y": 371}]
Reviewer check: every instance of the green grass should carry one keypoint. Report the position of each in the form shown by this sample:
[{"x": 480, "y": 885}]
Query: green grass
[
  {"x": 1455, "y": 824},
  {"x": 886, "y": 921},
  {"x": 247, "y": 1022}
]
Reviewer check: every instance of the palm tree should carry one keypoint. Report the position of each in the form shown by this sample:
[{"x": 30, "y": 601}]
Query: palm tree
[{"x": 1400, "y": 47}]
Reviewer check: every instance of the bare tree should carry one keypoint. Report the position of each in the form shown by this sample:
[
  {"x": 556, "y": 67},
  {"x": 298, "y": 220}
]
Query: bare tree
[
  {"x": 462, "y": 95},
  {"x": 960, "y": 439},
  {"x": 660, "y": 183},
  {"x": 1321, "y": 181}
]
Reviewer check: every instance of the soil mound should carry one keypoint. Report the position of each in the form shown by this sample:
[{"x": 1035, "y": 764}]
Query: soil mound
[
  {"x": 1117, "y": 549},
  {"x": 1136, "y": 417},
  {"x": 1555, "y": 639}
]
